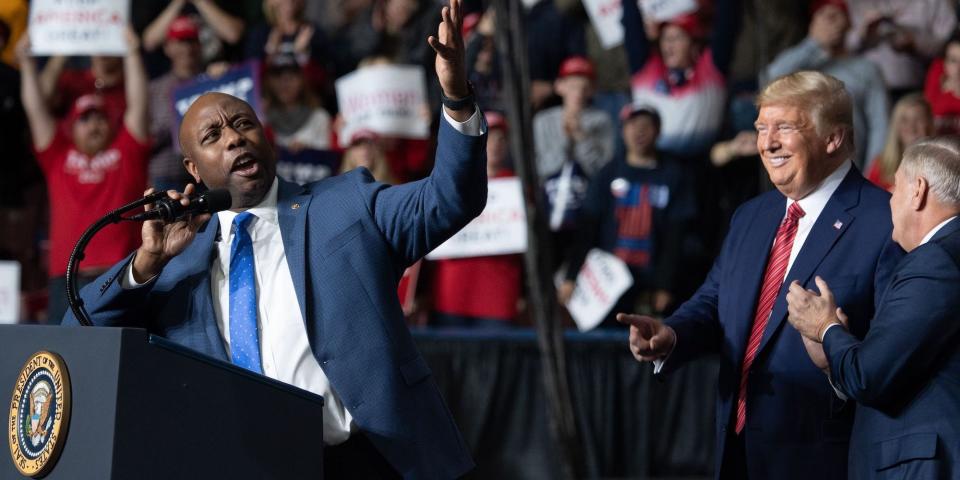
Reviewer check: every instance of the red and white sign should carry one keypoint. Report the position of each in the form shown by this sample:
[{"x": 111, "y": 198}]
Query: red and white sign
[
  {"x": 387, "y": 99},
  {"x": 600, "y": 283},
  {"x": 78, "y": 27},
  {"x": 663, "y": 10},
  {"x": 500, "y": 229},
  {"x": 605, "y": 16}
]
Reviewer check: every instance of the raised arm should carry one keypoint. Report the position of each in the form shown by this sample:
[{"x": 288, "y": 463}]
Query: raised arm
[
  {"x": 634, "y": 36},
  {"x": 226, "y": 26},
  {"x": 156, "y": 32},
  {"x": 50, "y": 76},
  {"x": 135, "y": 82},
  {"x": 42, "y": 124}
]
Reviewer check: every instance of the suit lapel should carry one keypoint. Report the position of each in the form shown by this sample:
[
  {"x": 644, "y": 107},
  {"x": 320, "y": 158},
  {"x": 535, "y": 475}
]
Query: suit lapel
[
  {"x": 833, "y": 222},
  {"x": 751, "y": 264},
  {"x": 202, "y": 300},
  {"x": 292, "y": 203}
]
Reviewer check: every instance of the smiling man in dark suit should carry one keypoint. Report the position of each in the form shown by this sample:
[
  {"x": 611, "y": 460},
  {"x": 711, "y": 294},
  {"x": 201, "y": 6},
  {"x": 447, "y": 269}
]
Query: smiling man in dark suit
[
  {"x": 777, "y": 416},
  {"x": 905, "y": 373},
  {"x": 299, "y": 282}
]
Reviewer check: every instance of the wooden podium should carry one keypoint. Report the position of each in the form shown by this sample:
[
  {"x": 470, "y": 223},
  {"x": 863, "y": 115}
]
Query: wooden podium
[{"x": 139, "y": 406}]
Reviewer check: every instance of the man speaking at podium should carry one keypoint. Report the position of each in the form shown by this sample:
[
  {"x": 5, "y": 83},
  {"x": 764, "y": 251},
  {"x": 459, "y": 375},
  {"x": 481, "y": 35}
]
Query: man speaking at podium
[{"x": 299, "y": 282}]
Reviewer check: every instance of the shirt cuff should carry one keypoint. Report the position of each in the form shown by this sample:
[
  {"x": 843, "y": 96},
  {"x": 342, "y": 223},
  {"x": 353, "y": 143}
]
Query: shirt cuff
[
  {"x": 825, "y": 330},
  {"x": 127, "y": 282},
  {"x": 660, "y": 362},
  {"x": 473, "y": 127},
  {"x": 836, "y": 390}
]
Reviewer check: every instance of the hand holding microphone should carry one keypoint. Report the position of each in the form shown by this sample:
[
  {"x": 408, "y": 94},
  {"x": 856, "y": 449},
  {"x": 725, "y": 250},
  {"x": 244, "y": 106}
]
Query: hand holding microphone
[{"x": 170, "y": 225}]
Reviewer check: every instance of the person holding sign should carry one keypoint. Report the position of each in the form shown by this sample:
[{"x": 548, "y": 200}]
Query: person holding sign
[
  {"x": 636, "y": 208},
  {"x": 299, "y": 282},
  {"x": 775, "y": 409},
  {"x": 481, "y": 292},
  {"x": 90, "y": 168}
]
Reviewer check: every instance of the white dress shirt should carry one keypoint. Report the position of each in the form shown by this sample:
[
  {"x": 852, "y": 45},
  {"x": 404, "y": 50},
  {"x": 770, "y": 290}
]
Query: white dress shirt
[
  {"x": 812, "y": 206},
  {"x": 284, "y": 349}
]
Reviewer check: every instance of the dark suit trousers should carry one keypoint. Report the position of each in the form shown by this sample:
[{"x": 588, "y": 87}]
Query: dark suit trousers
[
  {"x": 356, "y": 458},
  {"x": 734, "y": 465}
]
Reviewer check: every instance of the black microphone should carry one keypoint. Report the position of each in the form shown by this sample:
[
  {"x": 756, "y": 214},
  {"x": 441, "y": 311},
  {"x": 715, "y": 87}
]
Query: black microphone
[{"x": 169, "y": 210}]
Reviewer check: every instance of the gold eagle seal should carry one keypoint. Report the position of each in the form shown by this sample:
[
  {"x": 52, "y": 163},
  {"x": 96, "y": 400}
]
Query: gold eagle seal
[{"x": 39, "y": 414}]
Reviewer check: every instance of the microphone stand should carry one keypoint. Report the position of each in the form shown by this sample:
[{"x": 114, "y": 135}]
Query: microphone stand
[{"x": 116, "y": 216}]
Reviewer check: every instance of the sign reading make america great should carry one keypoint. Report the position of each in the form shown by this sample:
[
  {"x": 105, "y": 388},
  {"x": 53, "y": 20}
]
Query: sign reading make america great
[{"x": 39, "y": 414}]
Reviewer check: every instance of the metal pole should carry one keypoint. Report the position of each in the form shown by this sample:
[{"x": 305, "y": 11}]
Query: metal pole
[{"x": 512, "y": 49}]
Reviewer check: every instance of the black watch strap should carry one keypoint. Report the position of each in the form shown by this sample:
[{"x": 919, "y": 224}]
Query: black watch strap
[{"x": 460, "y": 104}]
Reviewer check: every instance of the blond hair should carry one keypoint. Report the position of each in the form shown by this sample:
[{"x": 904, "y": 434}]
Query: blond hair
[
  {"x": 937, "y": 159},
  {"x": 823, "y": 97},
  {"x": 893, "y": 148}
]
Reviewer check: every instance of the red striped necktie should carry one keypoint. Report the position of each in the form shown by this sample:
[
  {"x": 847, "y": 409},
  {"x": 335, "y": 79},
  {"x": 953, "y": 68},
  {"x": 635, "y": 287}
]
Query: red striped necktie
[{"x": 772, "y": 280}]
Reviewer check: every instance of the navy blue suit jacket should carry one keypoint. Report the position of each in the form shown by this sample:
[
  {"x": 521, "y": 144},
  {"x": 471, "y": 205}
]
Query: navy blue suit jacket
[
  {"x": 347, "y": 241},
  {"x": 796, "y": 425},
  {"x": 905, "y": 374}
]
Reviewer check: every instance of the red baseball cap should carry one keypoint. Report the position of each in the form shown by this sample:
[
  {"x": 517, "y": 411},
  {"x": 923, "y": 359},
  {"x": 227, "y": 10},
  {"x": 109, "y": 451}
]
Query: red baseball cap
[
  {"x": 577, "y": 65},
  {"x": 495, "y": 120},
  {"x": 86, "y": 103},
  {"x": 816, "y": 5},
  {"x": 183, "y": 27},
  {"x": 689, "y": 23}
]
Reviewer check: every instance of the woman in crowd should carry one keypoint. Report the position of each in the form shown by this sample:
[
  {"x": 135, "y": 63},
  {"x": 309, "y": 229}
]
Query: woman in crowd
[
  {"x": 942, "y": 88},
  {"x": 911, "y": 120}
]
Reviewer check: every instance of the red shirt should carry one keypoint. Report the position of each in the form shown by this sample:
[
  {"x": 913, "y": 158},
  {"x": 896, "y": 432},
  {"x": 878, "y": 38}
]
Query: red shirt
[
  {"x": 486, "y": 287},
  {"x": 83, "y": 189},
  {"x": 945, "y": 105},
  {"x": 874, "y": 175}
]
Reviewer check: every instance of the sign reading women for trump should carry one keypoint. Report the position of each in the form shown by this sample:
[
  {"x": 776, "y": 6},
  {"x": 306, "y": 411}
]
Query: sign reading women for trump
[
  {"x": 78, "y": 27},
  {"x": 499, "y": 230},
  {"x": 387, "y": 99},
  {"x": 600, "y": 283}
]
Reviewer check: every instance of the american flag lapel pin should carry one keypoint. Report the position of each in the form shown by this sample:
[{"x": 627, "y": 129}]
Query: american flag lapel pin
[{"x": 837, "y": 225}]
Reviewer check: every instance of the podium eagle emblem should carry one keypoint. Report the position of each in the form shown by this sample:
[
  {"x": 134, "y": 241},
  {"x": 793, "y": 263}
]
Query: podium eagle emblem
[{"x": 39, "y": 414}]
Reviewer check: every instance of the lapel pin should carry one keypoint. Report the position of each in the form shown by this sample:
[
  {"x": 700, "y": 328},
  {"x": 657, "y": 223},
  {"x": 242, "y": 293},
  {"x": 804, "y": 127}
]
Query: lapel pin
[
  {"x": 837, "y": 225},
  {"x": 295, "y": 206}
]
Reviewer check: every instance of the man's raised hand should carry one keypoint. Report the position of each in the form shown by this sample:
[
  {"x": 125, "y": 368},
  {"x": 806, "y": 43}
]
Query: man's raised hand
[
  {"x": 448, "y": 43},
  {"x": 161, "y": 242}
]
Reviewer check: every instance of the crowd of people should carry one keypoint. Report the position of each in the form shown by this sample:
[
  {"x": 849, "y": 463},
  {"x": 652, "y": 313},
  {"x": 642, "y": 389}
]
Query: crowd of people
[{"x": 644, "y": 150}]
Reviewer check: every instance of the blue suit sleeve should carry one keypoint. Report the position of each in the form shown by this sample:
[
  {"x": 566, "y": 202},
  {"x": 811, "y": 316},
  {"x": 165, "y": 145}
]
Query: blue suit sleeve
[
  {"x": 109, "y": 304},
  {"x": 912, "y": 329},
  {"x": 417, "y": 217}
]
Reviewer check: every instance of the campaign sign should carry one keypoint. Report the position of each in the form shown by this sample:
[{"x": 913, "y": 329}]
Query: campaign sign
[
  {"x": 663, "y": 10},
  {"x": 387, "y": 99},
  {"x": 78, "y": 27},
  {"x": 602, "y": 280},
  {"x": 605, "y": 17},
  {"x": 306, "y": 165},
  {"x": 9, "y": 292},
  {"x": 500, "y": 229}
]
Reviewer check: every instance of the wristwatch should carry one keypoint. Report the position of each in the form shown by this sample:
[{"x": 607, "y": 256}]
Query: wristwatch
[{"x": 460, "y": 104}]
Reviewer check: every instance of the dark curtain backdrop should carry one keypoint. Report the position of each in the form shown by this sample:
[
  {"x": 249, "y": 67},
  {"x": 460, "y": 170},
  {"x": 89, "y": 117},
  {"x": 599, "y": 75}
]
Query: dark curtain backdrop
[{"x": 632, "y": 425}]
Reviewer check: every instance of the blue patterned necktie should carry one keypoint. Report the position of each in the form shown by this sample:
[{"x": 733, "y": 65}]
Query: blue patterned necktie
[{"x": 244, "y": 340}]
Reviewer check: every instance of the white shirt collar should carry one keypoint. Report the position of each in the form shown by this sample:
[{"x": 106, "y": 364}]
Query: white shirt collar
[
  {"x": 265, "y": 210},
  {"x": 931, "y": 233},
  {"x": 814, "y": 202}
]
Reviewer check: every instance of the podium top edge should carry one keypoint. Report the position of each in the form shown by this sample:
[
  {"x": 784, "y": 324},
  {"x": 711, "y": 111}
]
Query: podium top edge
[{"x": 233, "y": 369}]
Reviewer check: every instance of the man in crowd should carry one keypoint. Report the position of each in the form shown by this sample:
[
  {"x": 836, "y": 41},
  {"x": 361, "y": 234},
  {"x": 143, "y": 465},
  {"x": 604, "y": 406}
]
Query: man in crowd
[
  {"x": 904, "y": 373},
  {"x": 299, "y": 282},
  {"x": 90, "y": 169},
  {"x": 776, "y": 416}
]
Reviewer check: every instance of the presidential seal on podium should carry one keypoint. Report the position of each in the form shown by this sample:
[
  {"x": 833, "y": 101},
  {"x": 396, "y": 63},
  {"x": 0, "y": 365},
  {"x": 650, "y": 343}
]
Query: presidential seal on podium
[{"x": 39, "y": 414}]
